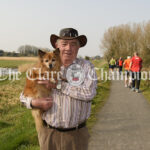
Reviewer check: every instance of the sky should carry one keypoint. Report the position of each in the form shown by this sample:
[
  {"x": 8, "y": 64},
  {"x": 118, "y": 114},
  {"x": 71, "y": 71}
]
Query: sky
[{"x": 33, "y": 21}]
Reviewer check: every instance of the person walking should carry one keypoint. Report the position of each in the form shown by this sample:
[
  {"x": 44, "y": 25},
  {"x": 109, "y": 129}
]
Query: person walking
[
  {"x": 112, "y": 64},
  {"x": 117, "y": 65},
  {"x": 120, "y": 65},
  {"x": 135, "y": 67},
  {"x": 126, "y": 66}
]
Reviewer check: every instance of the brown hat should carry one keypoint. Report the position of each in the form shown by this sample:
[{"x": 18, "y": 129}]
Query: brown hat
[{"x": 68, "y": 34}]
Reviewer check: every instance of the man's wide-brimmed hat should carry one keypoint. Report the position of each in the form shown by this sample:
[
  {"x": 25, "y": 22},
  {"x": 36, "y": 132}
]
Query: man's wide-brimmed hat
[{"x": 68, "y": 34}]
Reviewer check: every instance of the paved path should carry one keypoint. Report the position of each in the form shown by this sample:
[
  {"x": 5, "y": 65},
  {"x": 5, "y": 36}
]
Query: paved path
[{"x": 123, "y": 123}]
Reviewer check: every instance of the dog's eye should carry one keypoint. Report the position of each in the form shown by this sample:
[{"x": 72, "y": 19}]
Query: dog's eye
[
  {"x": 53, "y": 59},
  {"x": 46, "y": 60}
]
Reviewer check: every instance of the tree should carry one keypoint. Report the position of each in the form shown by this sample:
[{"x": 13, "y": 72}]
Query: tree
[
  {"x": 87, "y": 58},
  {"x": 121, "y": 41},
  {"x": 1, "y": 52}
]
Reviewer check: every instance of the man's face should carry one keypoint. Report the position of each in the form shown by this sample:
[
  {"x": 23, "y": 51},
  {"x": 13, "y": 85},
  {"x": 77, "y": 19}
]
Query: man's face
[{"x": 68, "y": 50}]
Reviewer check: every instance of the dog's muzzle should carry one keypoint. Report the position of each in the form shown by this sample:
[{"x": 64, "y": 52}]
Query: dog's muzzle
[{"x": 50, "y": 66}]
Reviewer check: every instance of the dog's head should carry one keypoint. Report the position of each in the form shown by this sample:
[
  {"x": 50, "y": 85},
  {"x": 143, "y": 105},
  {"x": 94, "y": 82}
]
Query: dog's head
[{"x": 50, "y": 60}]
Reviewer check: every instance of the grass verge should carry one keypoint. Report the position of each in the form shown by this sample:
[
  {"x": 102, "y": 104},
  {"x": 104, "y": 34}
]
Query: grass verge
[
  {"x": 98, "y": 101},
  {"x": 103, "y": 89},
  {"x": 145, "y": 88}
]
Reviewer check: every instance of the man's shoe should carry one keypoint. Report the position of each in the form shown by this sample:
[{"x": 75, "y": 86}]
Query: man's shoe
[
  {"x": 137, "y": 91},
  {"x": 133, "y": 89}
]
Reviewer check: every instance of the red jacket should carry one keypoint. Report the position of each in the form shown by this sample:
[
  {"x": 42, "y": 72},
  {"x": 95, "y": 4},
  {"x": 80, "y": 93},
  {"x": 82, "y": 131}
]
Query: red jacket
[
  {"x": 136, "y": 64},
  {"x": 120, "y": 62}
]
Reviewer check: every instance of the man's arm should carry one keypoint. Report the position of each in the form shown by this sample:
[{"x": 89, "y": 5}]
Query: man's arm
[
  {"x": 41, "y": 103},
  {"x": 26, "y": 101},
  {"x": 85, "y": 91}
]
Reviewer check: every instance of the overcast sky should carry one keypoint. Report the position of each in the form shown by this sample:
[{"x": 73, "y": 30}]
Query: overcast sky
[{"x": 33, "y": 21}]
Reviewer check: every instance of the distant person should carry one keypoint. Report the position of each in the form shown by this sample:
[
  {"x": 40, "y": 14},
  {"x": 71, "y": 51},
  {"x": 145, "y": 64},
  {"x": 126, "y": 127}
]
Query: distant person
[
  {"x": 109, "y": 66},
  {"x": 126, "y": 66},
  {"x": 136, "y": 66},
  {"x": 120, "y": 65},
  {"x": 117, "y": 65},
  {"x": 112, "y": 64}
]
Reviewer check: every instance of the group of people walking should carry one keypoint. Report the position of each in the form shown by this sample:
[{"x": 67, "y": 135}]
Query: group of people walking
[
  {"x": 118, "y": 64},
  {"x": 132, "y": 67}
]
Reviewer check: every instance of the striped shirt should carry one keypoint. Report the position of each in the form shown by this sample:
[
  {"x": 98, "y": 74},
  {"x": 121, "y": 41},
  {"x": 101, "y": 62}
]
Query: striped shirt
[{"x": 72, "y": 104}]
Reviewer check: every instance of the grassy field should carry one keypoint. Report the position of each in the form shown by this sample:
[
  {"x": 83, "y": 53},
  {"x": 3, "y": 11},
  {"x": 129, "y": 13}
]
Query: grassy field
[
  {"x": 14, "y": 62},
  {"x": 19, "y": 58},
  {"x": 17, "y": 130},
  {"x": 145, "y": 88}
]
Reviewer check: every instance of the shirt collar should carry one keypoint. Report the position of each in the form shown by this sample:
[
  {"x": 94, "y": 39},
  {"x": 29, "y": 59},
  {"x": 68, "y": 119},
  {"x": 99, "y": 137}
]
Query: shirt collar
[{"x": 74, "y": 62}]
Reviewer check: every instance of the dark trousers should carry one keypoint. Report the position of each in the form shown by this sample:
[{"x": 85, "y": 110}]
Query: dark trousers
[
  {"x": 120, "y": 69},
  {"x": 136, "y": 78}
]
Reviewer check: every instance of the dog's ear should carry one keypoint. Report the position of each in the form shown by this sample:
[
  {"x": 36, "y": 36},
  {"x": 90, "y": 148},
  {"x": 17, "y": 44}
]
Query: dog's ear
[
  {"x": 56, "y": 51},
  {"x": 41, "y": 53}
]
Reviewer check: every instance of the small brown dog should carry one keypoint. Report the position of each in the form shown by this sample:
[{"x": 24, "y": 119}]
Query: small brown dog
[{"x": 48, "y": 67}]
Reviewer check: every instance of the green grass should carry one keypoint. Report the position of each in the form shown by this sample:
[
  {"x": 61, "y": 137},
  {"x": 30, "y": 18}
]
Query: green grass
[
  {"x": 103, "y": 89},
  {"x": 98, "y": 102},
  {"x": 13, "y": 63},
  {"x": 145, "y": 88},
  {"x": 17, "y": 130}
]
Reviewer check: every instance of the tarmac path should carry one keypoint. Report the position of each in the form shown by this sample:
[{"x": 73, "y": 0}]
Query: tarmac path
[{"x": 123, "y": 122}]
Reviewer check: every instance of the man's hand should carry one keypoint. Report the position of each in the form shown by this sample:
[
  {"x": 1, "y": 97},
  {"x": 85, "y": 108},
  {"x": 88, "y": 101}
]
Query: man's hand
[
  {"x": 47, "y": 83},
  {"x": 42, "y": 103}
]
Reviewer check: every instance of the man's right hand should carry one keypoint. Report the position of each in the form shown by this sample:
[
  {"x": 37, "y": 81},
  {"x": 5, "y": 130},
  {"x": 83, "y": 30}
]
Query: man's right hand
[{"x": 42, "y": 103}]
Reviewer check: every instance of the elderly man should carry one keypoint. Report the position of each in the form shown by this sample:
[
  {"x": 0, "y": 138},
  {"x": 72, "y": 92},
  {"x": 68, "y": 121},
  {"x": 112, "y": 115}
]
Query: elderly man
[{"x": 65, "y": 119}]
